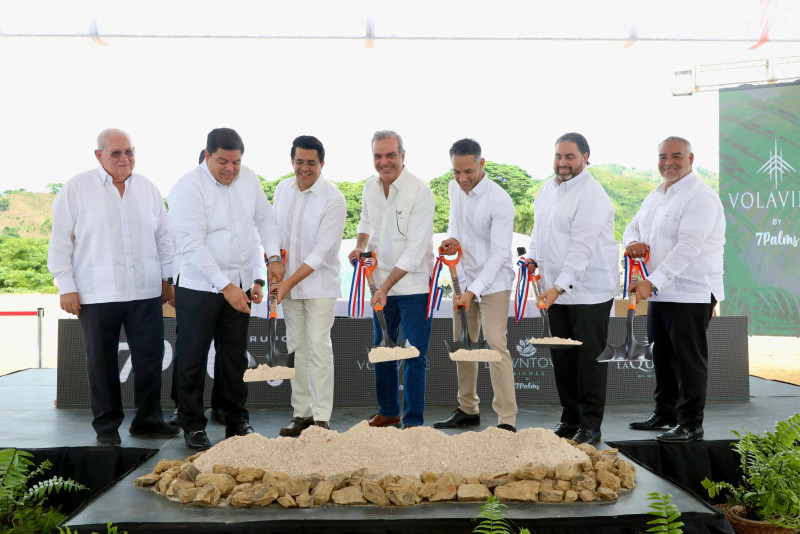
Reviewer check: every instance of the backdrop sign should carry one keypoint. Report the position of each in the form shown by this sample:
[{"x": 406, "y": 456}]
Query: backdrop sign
[
  {"x": 354, "y": 380},
  {"x": 759, "y": 182}
]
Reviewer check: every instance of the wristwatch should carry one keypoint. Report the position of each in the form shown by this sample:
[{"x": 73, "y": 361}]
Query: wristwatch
[
  {"x": 260, "y": 282},
  {"x": 560, "y": 289},
  {"x": 168, "y": 280},
  {"x": 273, "y": 259},
  {"x": 653, "y": 286}
]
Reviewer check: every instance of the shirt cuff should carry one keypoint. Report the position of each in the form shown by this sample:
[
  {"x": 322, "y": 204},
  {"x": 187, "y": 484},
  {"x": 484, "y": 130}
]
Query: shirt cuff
[
  {"x": 313, "y": 261},
  {"x": 658, "y": 279},
  {"x": 565, "y": 282},
  {"x": 219, "y": 281},
  {"x": 166, "y": 270},
  {"x": 364, "y": 228},
  {"x": 66, "y": 285},
  {"x": 477, "y": 289},
  {"x": 272, "y": 250}
]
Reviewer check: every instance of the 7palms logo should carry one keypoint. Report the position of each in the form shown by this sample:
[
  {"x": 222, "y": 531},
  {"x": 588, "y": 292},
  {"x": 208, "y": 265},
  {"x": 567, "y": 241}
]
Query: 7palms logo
[{"x": 776, "y": 166}]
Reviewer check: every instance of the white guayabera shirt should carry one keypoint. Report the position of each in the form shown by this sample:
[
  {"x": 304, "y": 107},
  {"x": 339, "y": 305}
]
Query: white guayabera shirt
[{"x": 106, "y": 247}]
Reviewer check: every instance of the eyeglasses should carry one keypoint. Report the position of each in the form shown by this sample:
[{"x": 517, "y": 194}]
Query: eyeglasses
[
  {"x": 116, "y": 154},
  {"x": 309, "y": 163}
]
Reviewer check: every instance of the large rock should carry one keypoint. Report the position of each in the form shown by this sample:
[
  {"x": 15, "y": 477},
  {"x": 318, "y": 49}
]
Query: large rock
[
  {"x": 587, "y": 448},
  {"x": 627, "y": 474},
  {"x": 531, "y": 472},
  {"x": 551, "y": 495},
  {"x": 412, "y": 483},
  {"x": 606, "y": 494},
  {"x": 163, "y": 483},
  {"x": 428, "y": 476},
  {"x": 473, "y": 493},
  {"x": 388, "y": 479},
  {"x": 273, "y": 476},
  {"x": 339, "y": 480},
  {"x": 492, "y": 480},
  {"x": 427, "y": 490},
  {"x": 293, "y": 486},
  {"x": 583, "y": 481},
  {"x": 255, "y": 496},
  {"x": 322, "y": 492},
  {"x": 608, "y": 480},
  {"x": 568, "y": 470},
  {"x": 227, "y": 469},
  {"x": 287, "y": 501},
  {"x": 348, "y": 495},
  {"x": 178, "y": 484},
  {"x": 241, "y": 487},
  {"x": 314, "y": 479},
  {"x": 208, "y": 496},
  {"x": 164, "y": 465},
  {"x": 187, "y": 494},
  {"x": 446, "y": 487},
  {"x": 249, "y": 474},
  {"x": 604, "y": 466},
  {"x": 401, "y": 495},
  {"x": 563, "y": 485},
  {"x": 609, "y": 455},
  {"x": 188, "y": 471},
  {"x": 305, "y": 500},
  {"x": 587, "y": 495},
  {"x": 224, "y": 483},
  {"x": 519, "y": 490},
  {"x": 570, "y": 496},
  {"x": 145, "y": 481},
  {"x": 374, "y": 494}
]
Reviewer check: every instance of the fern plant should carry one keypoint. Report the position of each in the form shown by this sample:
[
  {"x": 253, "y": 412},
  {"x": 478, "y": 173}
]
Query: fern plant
[
  {"x": 770, "y": 464},
  {"x": 110, "y": 529},
  {"x": 493, "y": 521},
  {"x": 22, "y": 507},
  {"x": 667, "y": 514}
]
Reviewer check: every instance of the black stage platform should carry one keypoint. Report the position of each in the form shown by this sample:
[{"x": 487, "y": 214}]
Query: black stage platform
[{"x": 29, "y": 421}]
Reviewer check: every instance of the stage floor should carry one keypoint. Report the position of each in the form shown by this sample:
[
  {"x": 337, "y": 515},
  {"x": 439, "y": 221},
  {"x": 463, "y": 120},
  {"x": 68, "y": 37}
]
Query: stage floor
[{"x": 30, "y": 420}]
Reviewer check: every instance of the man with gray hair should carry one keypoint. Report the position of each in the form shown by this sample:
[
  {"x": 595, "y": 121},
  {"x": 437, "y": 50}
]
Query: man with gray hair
[
  {"x": 397, "y": 225},
  {"x": 111, "y": 252},
  {"x": 681, "y": 226}
]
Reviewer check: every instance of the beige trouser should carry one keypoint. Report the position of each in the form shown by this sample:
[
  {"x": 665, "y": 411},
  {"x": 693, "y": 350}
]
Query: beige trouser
[
  {"x": 492, "y": 311},
  {"x": 308, "y": 335}
]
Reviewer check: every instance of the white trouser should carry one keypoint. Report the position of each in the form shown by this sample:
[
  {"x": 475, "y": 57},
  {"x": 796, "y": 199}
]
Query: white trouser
[{"x": 308, "y": 335}]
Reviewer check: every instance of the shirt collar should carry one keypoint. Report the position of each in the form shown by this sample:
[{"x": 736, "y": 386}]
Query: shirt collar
[
  {"x": 105, "y": 177},
  {"x": 571, "y": 183},
  {"x": 318, "y": 188},
  {"x": 677, "y": 186},
  {"x": 399, "y": 182},
  {"x": 480, "y": 187}
]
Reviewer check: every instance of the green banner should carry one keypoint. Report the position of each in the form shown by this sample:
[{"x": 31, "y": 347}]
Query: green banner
[{"x": 759, "y": 184}]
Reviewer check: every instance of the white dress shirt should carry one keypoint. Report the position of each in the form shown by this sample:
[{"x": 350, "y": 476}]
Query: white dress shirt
[
  {"x": 685, "y": 229},
  {"x": 482, "y": 221},
  {"x": 400, "y": 229},
  {"x": 311, "y": 225},
  {"x": 573, "y": 240},
  {"x": 106, "y": 247},
  {"x": 214, "y": 228}
]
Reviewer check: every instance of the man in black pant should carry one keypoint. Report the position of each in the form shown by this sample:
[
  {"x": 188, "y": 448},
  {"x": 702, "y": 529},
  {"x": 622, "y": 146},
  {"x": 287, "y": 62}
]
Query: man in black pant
[
  {"x": 213, "y": 209},
  {"x": 111, "y": 255},
  {"x": 574, "y": 246},
  {"x": 681, "y": 225}
]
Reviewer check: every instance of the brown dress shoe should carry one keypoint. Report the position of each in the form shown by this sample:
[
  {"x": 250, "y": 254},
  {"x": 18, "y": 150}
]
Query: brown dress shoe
[
  {"x": 378, "y": 420},
  {"x": 297, "y": 425},
  {"x": 323, "y": 424}
]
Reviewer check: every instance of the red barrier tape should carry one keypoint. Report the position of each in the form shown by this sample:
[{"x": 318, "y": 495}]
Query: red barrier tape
[{"x": 18, "y": 313}]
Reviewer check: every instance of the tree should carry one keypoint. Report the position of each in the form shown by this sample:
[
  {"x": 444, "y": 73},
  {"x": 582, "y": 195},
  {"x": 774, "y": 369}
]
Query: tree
[
  {"x": 352, "y": 196},
  {"x": 55, "y": 187},
  {"x": 24, "y": 265}
]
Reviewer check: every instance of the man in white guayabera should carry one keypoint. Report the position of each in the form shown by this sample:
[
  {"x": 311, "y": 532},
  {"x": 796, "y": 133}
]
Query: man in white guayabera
[
  {"x": 111, "y": 254},
  {"x": 681, "y": 224},
  {"x": 310, "y": 212}
]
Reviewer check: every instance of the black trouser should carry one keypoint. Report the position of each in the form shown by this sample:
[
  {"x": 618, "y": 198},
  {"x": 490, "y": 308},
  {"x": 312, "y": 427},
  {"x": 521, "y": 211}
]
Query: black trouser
[
  {"x": 580, "y": 378},
  {"x": 680, "y": 358},
  {"x": 216, "y": 396},
  {"x": 144, "y": 327},
  {"x": 201, "y": 314}
]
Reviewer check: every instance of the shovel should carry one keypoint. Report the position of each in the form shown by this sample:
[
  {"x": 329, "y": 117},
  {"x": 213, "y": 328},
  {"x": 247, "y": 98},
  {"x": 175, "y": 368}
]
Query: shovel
[
  {"x": 479, "y": 352},
  {"x": 631, "y": 350},
  {"x": 386, "y": 350},
  {"x": 274, "y": 358}
]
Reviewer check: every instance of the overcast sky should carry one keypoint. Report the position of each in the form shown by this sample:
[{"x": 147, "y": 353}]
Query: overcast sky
[{"x": 514, "y": 97}]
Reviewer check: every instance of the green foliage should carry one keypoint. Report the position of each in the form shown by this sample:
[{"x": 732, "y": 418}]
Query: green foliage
[
  {"x": 54, "y": 188},
  {"x": 22, "y": 508},
  {"x": 4, "y": 203},
  {"x": 666, "y": 513},
  {"x": 110, "y": 529},
  {"x": 770, "y": 464},
  {"x": 626, "y": 193},
  {"x": 492, "y": 519},
  {"x": 9, "y": 191},
  {"x": 24, "y": 265},
  {"x": 352, "y": 196},
  {"x": 269, "y": 186}
]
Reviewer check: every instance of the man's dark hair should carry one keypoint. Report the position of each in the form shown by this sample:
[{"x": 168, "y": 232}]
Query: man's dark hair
[
  {"x": 309, "y": 142},
  {"x": 578, "y": 139},
  {"x": 202, "y": 156},
  {"x": 466, "y": 147},
  {"x": 224, "y": 138}
]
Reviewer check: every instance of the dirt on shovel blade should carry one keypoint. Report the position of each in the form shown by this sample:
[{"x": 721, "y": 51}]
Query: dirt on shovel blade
[
  {"x": 475, "y": 355},
  {"x": 554, "y": 341},
  {"x": 265, "y": 372},
  {"x": 386, "y": 354}
]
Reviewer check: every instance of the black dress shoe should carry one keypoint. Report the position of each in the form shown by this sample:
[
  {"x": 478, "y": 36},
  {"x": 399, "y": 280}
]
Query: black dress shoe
[
  {"x": 174, "y": 419},
  {"x": 584, "y": 435},
  {"x": 197, "y": 440},
  {"x": 653, "y": 422},
  {"x": 108, "y": 438},
  {"x": 243, "y": 430},
  {"x": 459, "y": 418},
  {"x": 564, "y": 430},
  {"x": 322, "y": 424},
  {"x": 681, "y": 434},
  {"x": 218, "y": 415},
  {"x": 153, "y": 430},
  {"x": 296, "y": 426},
  {"x": 504, "y": 426}
]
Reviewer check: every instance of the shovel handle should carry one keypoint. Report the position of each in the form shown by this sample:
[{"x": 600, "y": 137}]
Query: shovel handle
[
  {"x": 370, "y": 261},
  {"x": 273, "y": 298},
  {"x": 451, "y": 264},
  {"x": 632, "y": 300}
]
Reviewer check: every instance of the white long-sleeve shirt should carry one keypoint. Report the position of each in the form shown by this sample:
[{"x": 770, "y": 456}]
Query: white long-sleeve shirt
[
  {"x": 400, "y": 229},
  {"x": 685, "y": 229},
  {"x": 311, "y": 225},
  {"x": 573, "y": 240},
  {"x": 214, "y": 228},
  {"x": 482, "y": 221},
  {"x": 106, "y": 247}
]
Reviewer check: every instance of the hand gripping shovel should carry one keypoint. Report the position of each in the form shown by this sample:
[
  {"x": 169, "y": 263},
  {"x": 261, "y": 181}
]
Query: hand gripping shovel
[
  {"x": 463, "y": 349},
  {"x": 631, "y": 350},
  {"x": 278, "y": 364},
  {"x": 386, "y": 350}
]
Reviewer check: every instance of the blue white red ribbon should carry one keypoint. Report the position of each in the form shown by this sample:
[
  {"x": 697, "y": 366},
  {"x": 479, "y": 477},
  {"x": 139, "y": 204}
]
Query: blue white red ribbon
[
  {"x": 632, "y": 266},
  {"x": 435, "y": 292},
  {"x": 355, "y": 306},
  {"x": 523, "y": 286}
]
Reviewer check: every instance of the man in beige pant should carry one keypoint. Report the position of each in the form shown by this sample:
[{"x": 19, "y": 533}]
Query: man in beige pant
[{"x": 482, "y": 224}]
